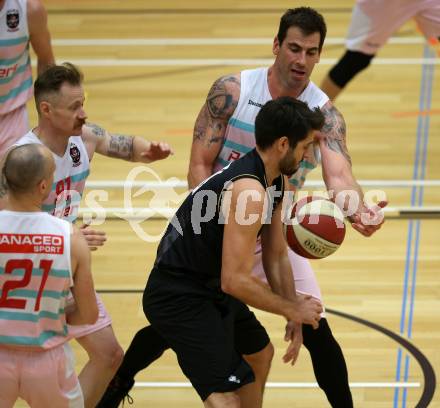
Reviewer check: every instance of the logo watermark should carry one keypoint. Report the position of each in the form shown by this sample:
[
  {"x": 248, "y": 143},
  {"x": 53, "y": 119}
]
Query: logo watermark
[{"x": 204, "y": 205}]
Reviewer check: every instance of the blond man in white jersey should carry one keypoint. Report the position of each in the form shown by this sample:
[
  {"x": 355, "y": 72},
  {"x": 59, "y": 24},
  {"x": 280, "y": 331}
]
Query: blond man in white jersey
[
  {"x": 41, "y": 258},
  {"x": 223, "y": 132},
  {"x": 62, "y": 127},
  {"x": 22, "y": 22}
]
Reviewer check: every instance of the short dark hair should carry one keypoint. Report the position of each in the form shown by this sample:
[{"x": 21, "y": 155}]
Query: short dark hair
[
  {"x": 51, "y": 80},
  {"x": 308, "y": 20},
  {"x": 286, "y": 116},
  {"x": 24, "y": 167}
]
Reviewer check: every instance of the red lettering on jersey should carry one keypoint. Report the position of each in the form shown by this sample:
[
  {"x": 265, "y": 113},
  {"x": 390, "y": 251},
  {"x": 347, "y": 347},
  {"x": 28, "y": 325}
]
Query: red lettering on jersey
[
  {"x": 234, "y": 155},
  {"x": 31, "y": 243}
]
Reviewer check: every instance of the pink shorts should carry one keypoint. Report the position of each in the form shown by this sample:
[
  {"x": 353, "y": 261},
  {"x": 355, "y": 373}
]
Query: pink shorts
[
  {"x": 104, "y": 320},
  {"x": 13, "y": 125},
  {"x": 303, "y": 275},
  {"x": 42, "y": 378},
  {"x": 374, "y": 21}
]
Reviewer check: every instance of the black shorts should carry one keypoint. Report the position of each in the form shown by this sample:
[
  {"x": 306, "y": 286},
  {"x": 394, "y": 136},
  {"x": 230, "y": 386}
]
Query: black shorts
[{"x": 209, "y": 331}]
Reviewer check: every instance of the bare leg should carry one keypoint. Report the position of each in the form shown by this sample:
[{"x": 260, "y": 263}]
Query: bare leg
[
  {"x": 105, "y": 356},
  {"x": 330, "y": 88},
  {"x": 251, "y": 395},
  {"x": 222, "y": 400}
]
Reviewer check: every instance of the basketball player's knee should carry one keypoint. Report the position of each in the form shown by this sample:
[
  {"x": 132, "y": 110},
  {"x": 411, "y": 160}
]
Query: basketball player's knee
[
  {"x": 109, "y": 355},
  {"x": 261, "y": 360},
  {"x": 223, "y": 399},
  {"x": 349, "y": 66}
]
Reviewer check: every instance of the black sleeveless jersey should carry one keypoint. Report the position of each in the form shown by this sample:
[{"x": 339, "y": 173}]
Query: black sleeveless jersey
[{"x": 192, "y": 244}]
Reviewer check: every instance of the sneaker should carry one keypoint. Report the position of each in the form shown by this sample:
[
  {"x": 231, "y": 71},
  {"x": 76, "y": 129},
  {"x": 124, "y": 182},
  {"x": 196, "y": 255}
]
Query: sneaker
[{"x": 116, "y": 392}]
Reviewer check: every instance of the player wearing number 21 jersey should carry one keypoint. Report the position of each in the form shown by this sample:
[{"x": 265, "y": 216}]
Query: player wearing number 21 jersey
[{"x": 41, "y": 260}]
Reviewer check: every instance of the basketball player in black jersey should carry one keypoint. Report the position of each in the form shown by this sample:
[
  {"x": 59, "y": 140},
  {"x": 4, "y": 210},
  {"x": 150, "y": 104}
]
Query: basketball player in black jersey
[{"x": 201, "y": 281}]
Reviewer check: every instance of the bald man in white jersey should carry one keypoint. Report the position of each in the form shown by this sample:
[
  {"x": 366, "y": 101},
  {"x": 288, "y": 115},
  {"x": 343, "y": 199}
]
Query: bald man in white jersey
[
  {"x": 41, "y": 259},
  {"x": 224, "y": 132},
  {"x": 62, "y": 127}
]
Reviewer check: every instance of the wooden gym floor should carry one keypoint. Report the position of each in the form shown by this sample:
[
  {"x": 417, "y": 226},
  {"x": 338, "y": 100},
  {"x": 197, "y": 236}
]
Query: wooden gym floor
[{"x": 390, "y": 279}]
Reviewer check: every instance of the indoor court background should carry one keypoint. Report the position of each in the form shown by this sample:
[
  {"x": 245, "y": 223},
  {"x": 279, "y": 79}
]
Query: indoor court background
[{"x": 140, "y": 82}]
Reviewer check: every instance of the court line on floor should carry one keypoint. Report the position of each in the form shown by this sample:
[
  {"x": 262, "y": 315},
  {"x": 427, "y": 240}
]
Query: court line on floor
[
  {"x": 175, "y": 183},
  {"x": 409, "y": 242},
  {"x": 153, "y": 62},
  {"x": 423, "y": 129},
  {"x": 427, "y": 369},
  {"x": 228, "y": 11},
  {"x": 127, "y": 42},
  {"x": 176, "y": 384}
]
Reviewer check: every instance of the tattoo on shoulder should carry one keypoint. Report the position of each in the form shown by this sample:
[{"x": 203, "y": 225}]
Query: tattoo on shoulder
[
  {"x": 210, "y": 126},
  {"x": 334, "y": 130},
  {"x": 96, "y": 129},
  {"x": 220, "y": 102},
  {"x": 121, "y": 146}
]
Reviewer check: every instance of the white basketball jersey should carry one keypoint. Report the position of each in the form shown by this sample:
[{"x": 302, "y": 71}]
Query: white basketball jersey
[
  {"x": 35, "y": 277},
  {"x": 15, "y": 64},
  {"x": 71, "y": 172},
  {"x": 240, "y": 132}
]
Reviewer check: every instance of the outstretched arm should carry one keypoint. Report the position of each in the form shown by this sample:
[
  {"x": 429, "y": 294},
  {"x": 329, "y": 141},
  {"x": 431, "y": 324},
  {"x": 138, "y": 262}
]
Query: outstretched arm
[
  {"x": 130, "y": 148},
  {"x": 338, "y": 175},
  {"x": 210, "y": 127}
]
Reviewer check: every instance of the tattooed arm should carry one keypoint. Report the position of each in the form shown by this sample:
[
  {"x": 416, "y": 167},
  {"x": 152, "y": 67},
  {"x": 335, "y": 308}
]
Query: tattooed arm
[
  {"x": 338, "y": 175},
  {"x": 131, "y": 148},
  {"x": 210, "y": 127},
  {"x": 336, "y": 161}
]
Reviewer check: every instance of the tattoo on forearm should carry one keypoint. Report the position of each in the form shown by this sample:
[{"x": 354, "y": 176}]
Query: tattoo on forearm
[
  {"x": 121, "y": 146},
  {"x": 335, "y": 131},
  {"x": 220, "y": 104},
  {"x": 96, "y": 129}
]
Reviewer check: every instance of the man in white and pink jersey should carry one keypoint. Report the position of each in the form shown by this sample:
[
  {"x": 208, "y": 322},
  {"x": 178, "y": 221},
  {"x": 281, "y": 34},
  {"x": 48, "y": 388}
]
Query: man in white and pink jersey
[
  {"x": 223, "y": 132},
  {"x": 62, "y": 127},
  {"x": 372, "y": 24},
  {"x": 21, "y": 22},
  {"x": 41, "y": 260}
]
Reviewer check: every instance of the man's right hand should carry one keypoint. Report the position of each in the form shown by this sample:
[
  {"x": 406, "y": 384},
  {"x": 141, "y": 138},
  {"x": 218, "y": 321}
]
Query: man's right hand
[{"x": 307, "y": 310}]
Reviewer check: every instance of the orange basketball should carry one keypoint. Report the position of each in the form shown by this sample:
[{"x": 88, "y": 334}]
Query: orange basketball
[{"x": 316, "y": 228}]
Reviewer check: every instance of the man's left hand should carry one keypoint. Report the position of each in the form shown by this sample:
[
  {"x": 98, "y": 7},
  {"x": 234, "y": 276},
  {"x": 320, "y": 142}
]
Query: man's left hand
[
  {"x": 294, "y": 335},
  {"x": 156, "y": 151},
  {"x": 367, "y": 220},
  {"x": 94, "y": 238}
]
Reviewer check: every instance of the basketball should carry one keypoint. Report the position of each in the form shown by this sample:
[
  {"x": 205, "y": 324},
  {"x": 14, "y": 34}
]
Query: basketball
[{"x": 315, "y": 228}]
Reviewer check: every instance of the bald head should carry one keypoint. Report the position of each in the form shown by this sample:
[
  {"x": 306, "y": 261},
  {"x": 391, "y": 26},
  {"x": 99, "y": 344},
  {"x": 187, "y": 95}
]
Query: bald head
[{"x": 26, "y": 166}]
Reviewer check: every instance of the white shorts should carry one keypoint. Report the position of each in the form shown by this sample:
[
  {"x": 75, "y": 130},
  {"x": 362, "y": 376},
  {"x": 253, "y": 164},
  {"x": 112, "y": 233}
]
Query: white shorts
[
  {"x": 303, "y": 274},
  {"x": 42, "y": 378},
  {"x": 374, "y": 21},
  {"x": 13, "y": 125},
  {"x": 104, "y": 320}
]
